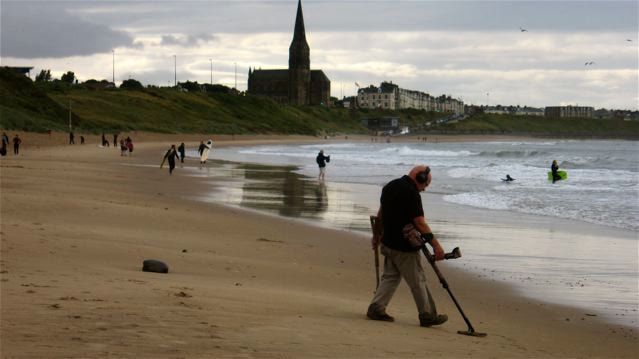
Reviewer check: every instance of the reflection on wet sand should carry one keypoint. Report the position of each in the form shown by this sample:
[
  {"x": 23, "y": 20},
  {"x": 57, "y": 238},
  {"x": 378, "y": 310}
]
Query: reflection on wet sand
[{"x": 280, "y": 190}]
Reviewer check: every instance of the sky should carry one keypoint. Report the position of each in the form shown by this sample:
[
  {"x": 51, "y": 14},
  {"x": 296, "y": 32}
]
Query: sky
[{"x": 476, "y": 51}]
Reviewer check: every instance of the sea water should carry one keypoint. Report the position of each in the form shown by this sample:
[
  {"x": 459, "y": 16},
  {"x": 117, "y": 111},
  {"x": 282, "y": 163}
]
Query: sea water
[
  {"x": 587, "y": 258},
  {"x": 602, "y": 185}
]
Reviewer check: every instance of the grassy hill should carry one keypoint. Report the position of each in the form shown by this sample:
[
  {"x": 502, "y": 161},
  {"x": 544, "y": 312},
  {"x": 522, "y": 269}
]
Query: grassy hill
[
  {"x": 37, "y": 107},
  {"x": 25, "y": 105},
  {"x": 543, "y": 126}
]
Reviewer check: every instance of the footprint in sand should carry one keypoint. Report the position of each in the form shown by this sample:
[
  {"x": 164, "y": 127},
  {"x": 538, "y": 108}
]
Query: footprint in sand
[{"x": 183, "y": 295}]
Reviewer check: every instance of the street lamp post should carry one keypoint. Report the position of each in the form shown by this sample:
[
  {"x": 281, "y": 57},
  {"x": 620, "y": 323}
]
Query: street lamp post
[
  {"x": 175, "y": 71},
  {"x": 211, "y": 61},
  {"x": 236, "y": 76},
  {"x": 113, "y": 51}
]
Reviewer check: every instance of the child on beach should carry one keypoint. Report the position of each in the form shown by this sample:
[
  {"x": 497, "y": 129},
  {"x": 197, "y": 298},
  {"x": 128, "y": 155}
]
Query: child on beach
[{"x": 123, "y": 148}]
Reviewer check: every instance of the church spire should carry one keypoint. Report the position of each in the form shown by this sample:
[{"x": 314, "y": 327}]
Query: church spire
[
  {"x": 300, "y": 33},
  {"x": 299, "y": 51}
]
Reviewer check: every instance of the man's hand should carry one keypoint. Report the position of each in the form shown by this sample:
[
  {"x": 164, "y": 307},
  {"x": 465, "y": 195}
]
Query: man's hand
[{"x": 437, "y": 248}]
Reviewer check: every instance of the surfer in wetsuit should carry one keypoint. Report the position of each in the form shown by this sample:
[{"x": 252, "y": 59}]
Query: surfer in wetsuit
[
  {"x": 321, "y": 162},
  {"x": 171, "y": 155},
  {"x": 508, "y": 179},
  {"x": 555, "y": 168},
  {"x": 181, "y": 150}
]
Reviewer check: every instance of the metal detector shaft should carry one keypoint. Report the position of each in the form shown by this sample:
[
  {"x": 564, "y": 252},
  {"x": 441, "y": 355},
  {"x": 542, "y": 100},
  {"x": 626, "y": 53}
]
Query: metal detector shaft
[{"x": 442, "y": 280}]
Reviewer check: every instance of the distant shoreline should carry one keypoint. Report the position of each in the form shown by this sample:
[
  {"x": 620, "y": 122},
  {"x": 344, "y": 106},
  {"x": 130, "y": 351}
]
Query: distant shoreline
[{"x": 37, "y": 139}]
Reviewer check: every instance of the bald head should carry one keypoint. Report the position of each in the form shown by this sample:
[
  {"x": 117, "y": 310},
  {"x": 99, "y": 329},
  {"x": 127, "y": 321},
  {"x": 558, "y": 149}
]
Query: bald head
[{"x": 421, "y": 176}]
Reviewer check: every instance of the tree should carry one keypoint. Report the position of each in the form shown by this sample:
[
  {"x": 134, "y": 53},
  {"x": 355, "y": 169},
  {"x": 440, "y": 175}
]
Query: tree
[
  {"x": 216, "y": 88},
  {"x": 132, "y": 84},
  {"x": 43, "y": 76},
  {"x": 69, "y": 77},
  {"x": 190, "y": 86}
]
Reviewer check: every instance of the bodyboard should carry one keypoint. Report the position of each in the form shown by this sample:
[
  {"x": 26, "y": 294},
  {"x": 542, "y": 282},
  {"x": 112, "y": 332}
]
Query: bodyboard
[
  {"x": 205, "y": 152},
  {"x": 562, "y": 175}
]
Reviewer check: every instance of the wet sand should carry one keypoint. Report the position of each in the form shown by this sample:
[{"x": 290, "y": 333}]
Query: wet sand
[
  {"x": 78, "y": 221},
  {"x": 556, "y": 260}
]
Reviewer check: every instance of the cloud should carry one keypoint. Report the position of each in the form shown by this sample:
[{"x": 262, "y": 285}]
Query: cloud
[
  {"x": 187, "y": 40},
  {"x": 461, "y": 48},
  {"x": 46, "y": 30}
]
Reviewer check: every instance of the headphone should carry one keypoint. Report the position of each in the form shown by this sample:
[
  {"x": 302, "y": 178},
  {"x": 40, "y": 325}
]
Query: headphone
[{"x": 422, "y": 177}]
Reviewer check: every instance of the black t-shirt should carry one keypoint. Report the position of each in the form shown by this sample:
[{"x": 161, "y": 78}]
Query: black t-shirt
[{"x": 401, "y": 203}]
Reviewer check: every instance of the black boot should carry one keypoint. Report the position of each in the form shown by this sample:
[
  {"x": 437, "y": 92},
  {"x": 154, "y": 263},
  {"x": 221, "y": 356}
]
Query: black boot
[
  {"x": 427, "y": 320},
  {"x": 374, "y": 312}
]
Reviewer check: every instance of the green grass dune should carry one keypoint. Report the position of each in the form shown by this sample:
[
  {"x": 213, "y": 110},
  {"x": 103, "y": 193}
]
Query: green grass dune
[{"x": 38, "y": 107}]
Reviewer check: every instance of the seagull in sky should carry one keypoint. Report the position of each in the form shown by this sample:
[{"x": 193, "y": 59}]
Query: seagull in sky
[
  {"x": 522, "y": 29},
  {"x": 628, "y": 40},
  {"x": 589, "y": 63}
]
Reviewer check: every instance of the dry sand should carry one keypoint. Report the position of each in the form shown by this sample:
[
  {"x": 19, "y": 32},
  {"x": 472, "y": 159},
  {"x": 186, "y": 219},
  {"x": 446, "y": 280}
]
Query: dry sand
[{"x": 77, "y": 222}]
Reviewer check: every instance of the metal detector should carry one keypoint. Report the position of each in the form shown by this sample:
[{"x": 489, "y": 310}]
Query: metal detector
[{"x": 456, "y": 253}]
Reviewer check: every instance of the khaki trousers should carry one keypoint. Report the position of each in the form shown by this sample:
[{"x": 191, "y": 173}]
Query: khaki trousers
[{"x": 406, "y": 265}]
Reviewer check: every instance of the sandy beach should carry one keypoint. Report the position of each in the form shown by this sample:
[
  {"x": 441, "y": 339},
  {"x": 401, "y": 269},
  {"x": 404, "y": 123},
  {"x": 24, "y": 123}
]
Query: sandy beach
[{"x": 77, "y": 222}]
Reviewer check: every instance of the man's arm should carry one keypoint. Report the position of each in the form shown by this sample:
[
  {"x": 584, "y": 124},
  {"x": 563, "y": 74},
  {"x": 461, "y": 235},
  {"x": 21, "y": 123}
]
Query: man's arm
[{"x": 423, "y": 228}]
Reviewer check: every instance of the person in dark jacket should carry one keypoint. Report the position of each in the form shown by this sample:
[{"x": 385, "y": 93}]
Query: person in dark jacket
[
  {"x": 555, "y": 169},
  {"x": 321, "y": 162},
  {"x": 171, "y": 155},
  {"x": 401, "y": 207},
  {"x": 181, "y": 150},
  {"x": 200, "y": 149}
]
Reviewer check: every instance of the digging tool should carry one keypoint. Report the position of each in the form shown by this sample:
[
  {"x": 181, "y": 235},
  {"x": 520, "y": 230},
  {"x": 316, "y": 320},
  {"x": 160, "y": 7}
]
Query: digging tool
[{"x": 431, "y": 259}]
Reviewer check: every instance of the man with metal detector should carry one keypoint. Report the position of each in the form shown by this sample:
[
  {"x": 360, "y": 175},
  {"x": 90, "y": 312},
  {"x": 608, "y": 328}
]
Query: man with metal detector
[{"x": 401, "y": 205}]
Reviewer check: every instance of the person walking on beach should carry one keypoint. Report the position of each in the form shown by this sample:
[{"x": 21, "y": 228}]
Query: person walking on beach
[
  {"x": 16, "y": 144},
  {"x": 182, "y": 152},
  {"x": 200, "y": 149},
  {"x": 115, "y": 139},
  {"x": 129, "y": 145},
  {"x": 71, "y": 138},
  {"x": 81, "y": 140},
  {"x": 555, "y": 168},
  {"x": 321, "y": 162},
  {"x": 5, "y": 143},
  {"x": 401, "y": 206},
  {"x": 171, "y": 155}
]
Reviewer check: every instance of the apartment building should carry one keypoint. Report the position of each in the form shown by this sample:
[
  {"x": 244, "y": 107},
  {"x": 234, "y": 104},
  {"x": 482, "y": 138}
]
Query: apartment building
[
  {"x": 569, "y": 111},
  {"x": 389, "y": 96}
]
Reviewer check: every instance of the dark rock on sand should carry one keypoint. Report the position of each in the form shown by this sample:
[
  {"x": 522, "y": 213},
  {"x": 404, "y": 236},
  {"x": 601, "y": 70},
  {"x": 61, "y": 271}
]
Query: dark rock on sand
[{"x": 152, "y": 265}]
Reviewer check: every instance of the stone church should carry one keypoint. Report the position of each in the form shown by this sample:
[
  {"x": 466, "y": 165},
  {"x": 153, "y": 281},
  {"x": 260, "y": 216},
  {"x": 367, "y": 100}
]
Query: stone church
[{"x": 297, "y": 85}]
